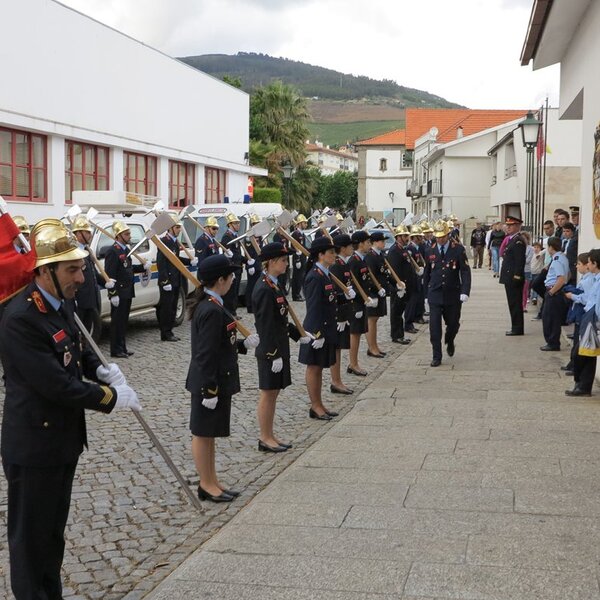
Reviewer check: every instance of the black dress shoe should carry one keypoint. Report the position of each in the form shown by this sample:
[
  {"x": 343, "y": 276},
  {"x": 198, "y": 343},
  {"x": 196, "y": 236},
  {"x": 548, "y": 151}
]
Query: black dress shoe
[
  {"x": 356, "y": 372},
  {"x": 222, "y": 497},
  {"x": 514, "y": 333},
  {"x": 119, "y": 354},
  {"x": 129, "y": 353},
  {"x": 436, "y": 362},
  {"x": 332, "y": 413},
  {"x": 337, "y": 390},
  {"x": 577, "y": 392},
  {"x": 286, "y": 446},
  {"x": 232, "y": 493},
  {"x": 451, "y": 349},
  {"x": 266, "y": 448},
  {"x": 568, "y": 367},
  {"x": 403, "y": 341},
  {"x": 169, "y": 339},
  {"x": 548, "y": 348},
  {"x": 411, "y": 330},
  {"x": 324, "y": 417},
  {"x": 569, "y": 373},
  {"x": 422, "y": 321},
  {"x": 369, "y": 353}
]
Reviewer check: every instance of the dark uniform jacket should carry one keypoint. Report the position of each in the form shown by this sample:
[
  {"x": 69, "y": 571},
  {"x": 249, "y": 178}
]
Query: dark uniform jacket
[
  {"x": 237, "y": 259},
  {"x": 119, "y": 266},
  {"x": 319, "y": 291},
  {"x": 205, "y": 246},
  {"x": 400, "y": 261},
  {"x": 88, "y": 294},
  {"x": 299, "y": 236},
  {"x": 358, "y": 268},
  {"x": 44, "y": 423},
  {"x": 513, "y": 263},
  {"x": 167, "y": 273},
  {"x": 415, "y": 251},
  {"x": 376, "y": 262},
  {"x": 341, "y": 270},
  {"x": 445, "y": 280},
  {"x": 213, "y": 367},
  {"x": 271, "y": 319}
]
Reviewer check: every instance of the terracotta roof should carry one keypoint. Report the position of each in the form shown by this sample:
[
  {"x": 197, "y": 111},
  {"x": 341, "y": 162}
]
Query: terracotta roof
[
  {"x": 448, "y": 120},
  {"x": 391, "y": 138}
]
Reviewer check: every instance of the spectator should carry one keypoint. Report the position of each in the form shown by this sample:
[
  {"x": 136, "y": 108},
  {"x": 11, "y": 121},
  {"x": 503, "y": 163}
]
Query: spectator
[
  {"x": 497, "y": 236},
  {"x": 561, "y": 217},
  {"x": 478, "y": 245},
  {"x": 529, "y": 252},
  {"x": 570, "y": 246}
]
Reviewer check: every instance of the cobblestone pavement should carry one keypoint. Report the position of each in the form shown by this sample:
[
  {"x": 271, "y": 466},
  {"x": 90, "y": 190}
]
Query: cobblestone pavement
[{"x": 130, "y": 525}]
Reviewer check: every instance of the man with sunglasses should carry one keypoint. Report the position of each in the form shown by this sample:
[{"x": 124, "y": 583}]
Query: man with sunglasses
[{"x": 206, "y": 245}]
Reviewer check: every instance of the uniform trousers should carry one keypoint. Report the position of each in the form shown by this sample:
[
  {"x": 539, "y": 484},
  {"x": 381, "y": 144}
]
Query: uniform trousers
[
  {"x": 553, "y": 316},
  {"x": 167, "y": 309},
  {"x": 413, "y": 304},
  {"x": 397, "y": 307},
  {"x": 38, "y": 507},
  {"x": 514, "y": 297},
  {"x": 119, "y": 316},
  {"x": 230, "y": 299},
  {"x": 297, "y": 280},
  {"x": 451, "y": 315}
]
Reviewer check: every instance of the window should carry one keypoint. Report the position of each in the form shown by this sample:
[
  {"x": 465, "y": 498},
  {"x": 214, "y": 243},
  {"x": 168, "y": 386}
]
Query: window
[
  {"x": 22, "y": 165},
  {"x": 86, "y": 168},
  {"x": 140, "y": 173},
  {"x": 182, "y": 189},
  {"x": 214, "y": 185},
  {"x": 383, "y": 164}
]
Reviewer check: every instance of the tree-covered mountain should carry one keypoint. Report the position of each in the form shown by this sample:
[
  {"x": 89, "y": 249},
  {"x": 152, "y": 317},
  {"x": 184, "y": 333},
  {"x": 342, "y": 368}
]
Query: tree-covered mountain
[{"x": 257, "y": 70}]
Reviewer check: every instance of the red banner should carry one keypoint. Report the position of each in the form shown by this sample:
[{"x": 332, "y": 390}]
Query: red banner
[{"x": 16, "y": 269}]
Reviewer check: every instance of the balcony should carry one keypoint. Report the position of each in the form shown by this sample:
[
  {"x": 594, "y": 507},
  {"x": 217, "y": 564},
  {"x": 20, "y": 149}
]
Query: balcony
[
  {"x": 510, "y": 172},
  {"x": 434, "y": 188},
  {"x": 413, "y": 189}
]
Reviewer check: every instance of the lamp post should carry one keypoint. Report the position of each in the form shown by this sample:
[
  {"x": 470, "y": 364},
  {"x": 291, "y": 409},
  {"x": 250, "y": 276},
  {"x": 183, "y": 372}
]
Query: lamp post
[
  {"x": 530, "y": 128},
  {"x": 288, "y": 171}
]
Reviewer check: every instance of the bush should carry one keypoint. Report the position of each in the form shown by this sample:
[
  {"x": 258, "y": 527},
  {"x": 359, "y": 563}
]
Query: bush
[{"x": 272, "y": 195}]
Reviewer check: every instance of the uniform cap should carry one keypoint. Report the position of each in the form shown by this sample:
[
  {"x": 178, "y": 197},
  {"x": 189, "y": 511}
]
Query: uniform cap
[
  {"x": 377, "y": 236},
  {"x": 53, "y": 242},
  {"x": 21, "y": 223},
  {"x": 273, "y": 250},
  {"x": 231, "y": 218},
  {"x": 215, "y": 266},
  {"x": 321, "y": 244},
  {"x": 440, "y": 228},
  {"x": 119, "y": 227},
  {"x": 510, "y": 220},
  {"x": 211, "y": 222},
  {"x": 81, "y": 224},
  {"x": 360, "y": 236},
  {"x": 342, "y": 240}
]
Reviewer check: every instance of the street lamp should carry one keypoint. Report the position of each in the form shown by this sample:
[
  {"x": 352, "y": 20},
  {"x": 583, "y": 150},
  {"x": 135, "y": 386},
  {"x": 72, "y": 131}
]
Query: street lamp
[
  {"x": 288, "y": 171},
  {"x": 530, "y": 128}
]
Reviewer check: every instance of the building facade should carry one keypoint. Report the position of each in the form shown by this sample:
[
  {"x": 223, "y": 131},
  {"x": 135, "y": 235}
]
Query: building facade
[
  {"x": 330, "y": 161},
  {"x": 89, "y": 108}
]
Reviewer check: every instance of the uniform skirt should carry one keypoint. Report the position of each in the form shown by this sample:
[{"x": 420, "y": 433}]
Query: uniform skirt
[
  {"x": 267, "y": 380},
  {"x": 380, "y": 310},
  {"x": 343, "y": 338},
  {"x": 359, "y": 325},
  {"x": 205, "y": 422},
  {"x": 324, "y": 357}
]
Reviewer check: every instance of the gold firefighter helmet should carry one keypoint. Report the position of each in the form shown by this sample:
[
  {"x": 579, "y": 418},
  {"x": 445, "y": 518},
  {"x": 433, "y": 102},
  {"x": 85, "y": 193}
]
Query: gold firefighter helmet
[
  {"x": 301, "y": 219},
  {"x": 453, "y": 218},
  {"x": 401, "y": 230},
  {"x": 322, "y": 219},
  {"x": 81, "y": 224},
  {"x": 254, "y": 219},
  {"x": 119, "y": 227},
  {"x": 53, "y": 242},
  {"x": 426, "y": 227},
  {"x": 211, "y": 222},
  {"x": 440, "y": 228},
  {"x": 175, "y": 216},
  {"x": 415, "y": 230},
  {"x": 231, "y": 218},
  {"x": 339, "y": 217},
  {"x": 22, "y": 224},
  {"x": 450, "y": 224}
]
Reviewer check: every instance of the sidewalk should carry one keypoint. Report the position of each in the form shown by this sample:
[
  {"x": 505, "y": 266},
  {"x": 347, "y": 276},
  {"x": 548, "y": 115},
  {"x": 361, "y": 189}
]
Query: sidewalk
[{"x": 475, "y": 480}]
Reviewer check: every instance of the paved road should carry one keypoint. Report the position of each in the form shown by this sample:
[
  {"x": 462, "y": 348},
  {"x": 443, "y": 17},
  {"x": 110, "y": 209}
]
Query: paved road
[
  {"x": 130, "y": 526},
  {"x": 477, "y": 480}
]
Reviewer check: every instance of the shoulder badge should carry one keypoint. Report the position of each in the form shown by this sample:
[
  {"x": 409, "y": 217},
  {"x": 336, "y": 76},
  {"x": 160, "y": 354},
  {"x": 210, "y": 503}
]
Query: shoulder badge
[{"x": 39, "y": 302}]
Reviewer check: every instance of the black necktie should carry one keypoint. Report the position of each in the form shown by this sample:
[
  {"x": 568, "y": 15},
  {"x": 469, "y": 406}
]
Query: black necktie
[{"x": 442, "y": 252}]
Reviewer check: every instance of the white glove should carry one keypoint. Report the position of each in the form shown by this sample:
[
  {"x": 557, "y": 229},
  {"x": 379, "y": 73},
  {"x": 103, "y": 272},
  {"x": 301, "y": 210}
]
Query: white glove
[
  {"x": 228, "y": 253},
  {"x": 381, "y": 292},
  {"x": 277, "y": 365},
  {"x": 194, "y": 262},
  {"x": 318, "y": 344},
  {"x": 298, "y": 265},
  {"x": 251, "y": 271},
  {"x": 167, "y": 288},
  {"x": 420, "y": 271},
  {"x": 111, "y": 374},
  {"x": 401, "y": 293},
  {"x": 400, "y": 287},
  {"x": 371, "y": 302},
  {"x": 210, "y": 402},
  {"x": 298, "y": 253},
  {"x": 252, "y": 341},
  {"x": 359, "y": 314},
  {"x": 464, "y": 298},
  {"x": 127, "y": 398},
  {"x": 110, "y": 284},
  {"x": 306, "y": 339},
  {"x": 148, "y": 265},
  {"x": 114, "y": 301},
  {"x": 251, "y": 261},
  {"x": 351, "y": 294},
  {"x": 342, "y": 325}
]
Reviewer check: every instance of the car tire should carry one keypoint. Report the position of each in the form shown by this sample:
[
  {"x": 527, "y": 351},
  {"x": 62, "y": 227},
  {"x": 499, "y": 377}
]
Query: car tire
[{"x": 180, "y": 311}]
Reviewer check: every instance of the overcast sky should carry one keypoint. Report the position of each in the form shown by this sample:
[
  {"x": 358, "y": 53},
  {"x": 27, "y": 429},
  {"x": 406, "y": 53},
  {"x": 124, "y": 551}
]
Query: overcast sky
[{"x": 466, "y": 51}]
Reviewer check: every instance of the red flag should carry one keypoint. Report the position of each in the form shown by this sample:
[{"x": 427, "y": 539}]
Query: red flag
[{"x": 16, "y": 270}]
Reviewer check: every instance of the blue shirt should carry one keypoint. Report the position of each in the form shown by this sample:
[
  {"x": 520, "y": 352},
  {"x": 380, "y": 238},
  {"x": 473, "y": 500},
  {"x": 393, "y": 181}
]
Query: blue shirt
[
  {"x": 323, "y": 268},
  {"x": 123, "y": 246},
  {"x": 586, "y": 283},
  {"x": 593, "y": 295},
  {"x": 272, "y": 278},
  {"x": 559, "y": 266},
  {"x": 214, "y": 295},
  {"x": 54, "y": 302}
]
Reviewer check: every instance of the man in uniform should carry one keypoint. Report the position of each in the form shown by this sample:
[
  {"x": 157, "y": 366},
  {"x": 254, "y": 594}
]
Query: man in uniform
[
  {"x": 43, "y": 426},
  {"x": 88, "y": 294},
  {"x": 230, "y": 300},
  {"x": 447, "y": 281},
  {"x": 400, "y": 263},
  {"x": 299, "y": 258},
  {"x": 206, "y": 244},
  {"x": 512, "y": 273},
  {"x": 252, "y": 270},
  {"x": 415, "y": 308},
  {"x": 119, "y": 267},
  {"x": 170, "y": 281}
]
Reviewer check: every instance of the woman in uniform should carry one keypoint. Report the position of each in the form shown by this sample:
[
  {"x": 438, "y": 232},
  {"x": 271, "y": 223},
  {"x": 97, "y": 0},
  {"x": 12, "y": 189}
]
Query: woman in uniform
[
  {"x": 375, "y": 260},
  {"x": 320, "y": 320},
  {"x": 273, "y": 351},
  {"x": 213, "y": 375}
]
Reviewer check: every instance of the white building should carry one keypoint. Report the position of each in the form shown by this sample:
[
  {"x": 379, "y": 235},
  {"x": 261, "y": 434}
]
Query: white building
[
  {"x": 87, "y": 107},
  {"x": 566, "y": 32},
  {"x": 330, "y": 161}
]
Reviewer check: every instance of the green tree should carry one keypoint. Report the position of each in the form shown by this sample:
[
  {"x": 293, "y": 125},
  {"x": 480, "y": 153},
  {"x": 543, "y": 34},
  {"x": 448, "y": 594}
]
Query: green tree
[
  {"x": 236, "y": 82},
  {"x": 339, "y": 190}
]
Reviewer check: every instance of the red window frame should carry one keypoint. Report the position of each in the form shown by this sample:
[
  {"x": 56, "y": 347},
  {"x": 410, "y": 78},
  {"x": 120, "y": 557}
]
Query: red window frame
[
  {"x": 136, "y": 179},
  {"x": 87, "y": 171},
  {"x": 10, "y": 164},
  {"x": 215, "y": 185},
  {"x": 182, "y": 183}
]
